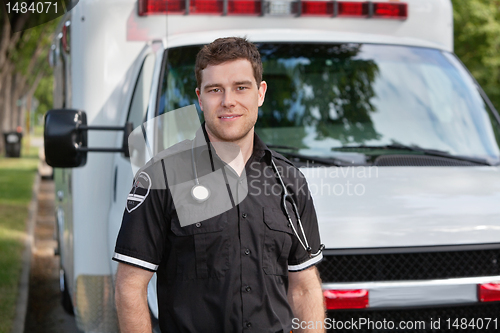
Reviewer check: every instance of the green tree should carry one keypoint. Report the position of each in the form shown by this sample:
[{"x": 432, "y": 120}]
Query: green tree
[
  {"x": 44, "y": 94},
  {"x": 23, "y": 64},
  {"x": 477, "y": 42}
]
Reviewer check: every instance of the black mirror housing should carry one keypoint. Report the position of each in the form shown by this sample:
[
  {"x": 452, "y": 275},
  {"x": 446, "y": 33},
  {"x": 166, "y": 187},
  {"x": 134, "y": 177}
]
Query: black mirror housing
[{"x": 63, "y": 140}]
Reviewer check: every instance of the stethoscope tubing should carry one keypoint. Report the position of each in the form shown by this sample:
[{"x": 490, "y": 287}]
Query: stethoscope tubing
[{"x": 288, "y": 196}]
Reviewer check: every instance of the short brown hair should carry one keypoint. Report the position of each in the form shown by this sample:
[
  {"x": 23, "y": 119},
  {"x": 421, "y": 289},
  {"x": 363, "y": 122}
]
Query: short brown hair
[{"x": 228, "y": 49}]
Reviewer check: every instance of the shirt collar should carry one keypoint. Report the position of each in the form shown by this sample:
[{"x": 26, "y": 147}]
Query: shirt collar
[{"x": 259, "y": 148}]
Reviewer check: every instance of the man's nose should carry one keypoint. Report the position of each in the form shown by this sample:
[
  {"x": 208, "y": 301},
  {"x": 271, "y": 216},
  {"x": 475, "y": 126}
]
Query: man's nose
[{"x": 228, "y": 99}]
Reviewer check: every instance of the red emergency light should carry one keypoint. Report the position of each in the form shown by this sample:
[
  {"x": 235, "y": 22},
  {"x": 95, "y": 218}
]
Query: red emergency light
[
  {"x": 317, "y": 8},
  {"x": 489, "y": 292},
  {"x": 159, "y": 7},
  {"x": 353, "y": 9},
  {"x": 390, "y": 10},
  {"x": 346, "y": 299},
  {"x": 207, "y": 7},
  {"x": 244, "y": 7}
]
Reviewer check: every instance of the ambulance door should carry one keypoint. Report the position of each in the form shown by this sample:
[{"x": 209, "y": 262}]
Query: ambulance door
[{"x": 140, "y": 108}]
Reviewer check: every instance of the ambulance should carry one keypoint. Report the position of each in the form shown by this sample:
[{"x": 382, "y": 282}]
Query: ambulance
[{"x": 398, "y": 142}]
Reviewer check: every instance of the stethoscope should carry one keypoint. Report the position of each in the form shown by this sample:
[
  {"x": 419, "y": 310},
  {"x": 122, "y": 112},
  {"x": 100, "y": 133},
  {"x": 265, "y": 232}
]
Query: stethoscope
[{"x": 201, "y": 193}]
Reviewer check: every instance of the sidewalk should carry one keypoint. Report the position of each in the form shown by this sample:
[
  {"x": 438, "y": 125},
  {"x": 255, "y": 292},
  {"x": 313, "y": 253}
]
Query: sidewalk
[
  {"x": 45, "y": 312},
  {"x": 38, "y": 307}
]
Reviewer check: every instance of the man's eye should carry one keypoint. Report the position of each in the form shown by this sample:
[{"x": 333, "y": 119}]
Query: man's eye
[
  {"x": 215, "y": 90},
  {"x": 242, "y": 88}
]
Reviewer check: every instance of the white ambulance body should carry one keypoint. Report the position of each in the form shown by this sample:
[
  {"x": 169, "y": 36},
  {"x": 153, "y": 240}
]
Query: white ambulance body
[{"x": 410, "y": 234}]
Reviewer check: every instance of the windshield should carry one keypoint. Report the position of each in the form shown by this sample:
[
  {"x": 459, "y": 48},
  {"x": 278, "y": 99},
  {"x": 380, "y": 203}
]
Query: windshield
[{"x": 322, "y": 97}]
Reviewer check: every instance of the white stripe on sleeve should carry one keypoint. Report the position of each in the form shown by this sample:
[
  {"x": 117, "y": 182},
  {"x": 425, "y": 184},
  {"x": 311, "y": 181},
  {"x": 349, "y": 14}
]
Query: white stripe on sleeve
[
  {"x": 306, "y": 264},
  {"x": 135, "y": 261}
]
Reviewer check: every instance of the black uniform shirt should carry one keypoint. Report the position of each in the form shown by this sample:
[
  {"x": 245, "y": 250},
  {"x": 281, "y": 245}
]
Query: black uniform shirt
[{"x": 228, "y": 273}]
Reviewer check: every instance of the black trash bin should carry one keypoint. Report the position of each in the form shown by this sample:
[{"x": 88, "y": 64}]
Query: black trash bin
[{"x": 13, "y": 144}]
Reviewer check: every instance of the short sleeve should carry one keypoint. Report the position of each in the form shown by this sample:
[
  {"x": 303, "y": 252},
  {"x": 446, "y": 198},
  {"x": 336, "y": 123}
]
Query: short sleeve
[
  {"x": 299, "y": 258},
  {"x": 142, "y": 234}
]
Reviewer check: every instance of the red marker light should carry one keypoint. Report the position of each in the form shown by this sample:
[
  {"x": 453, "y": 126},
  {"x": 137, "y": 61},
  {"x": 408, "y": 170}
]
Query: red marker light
[
  {"x": 346, "y": 299},
  {"x": 489, "y": 292},
  {"x": 64, "y": 39},
  {"x": 390, "y": 10},
  {"x": 317, "y": 8}
]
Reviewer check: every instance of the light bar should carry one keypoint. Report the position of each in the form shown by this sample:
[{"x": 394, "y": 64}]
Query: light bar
[
  {"x": 390, "y": 10},
  {"x": 244, "y": 7},
  {"x": 489, "y": 292},
  {"x": 316, "y": 8},
  {"x": 346, "y": 299},
  {"x": 327, "y": 8}
]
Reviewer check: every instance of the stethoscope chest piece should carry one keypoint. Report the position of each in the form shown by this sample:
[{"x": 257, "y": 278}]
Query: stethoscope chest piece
[{"x": 200, "y": 193}]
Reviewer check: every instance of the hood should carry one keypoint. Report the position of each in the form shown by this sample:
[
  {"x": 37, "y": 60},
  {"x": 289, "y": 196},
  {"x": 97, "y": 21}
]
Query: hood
[{"x": 367, "y": 207}]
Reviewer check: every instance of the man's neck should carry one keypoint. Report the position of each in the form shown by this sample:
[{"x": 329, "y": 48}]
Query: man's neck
[{"x": 236, "y": 153}]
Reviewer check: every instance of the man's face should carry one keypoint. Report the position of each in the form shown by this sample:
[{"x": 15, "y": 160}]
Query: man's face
[{"x": 229, "y": 98}]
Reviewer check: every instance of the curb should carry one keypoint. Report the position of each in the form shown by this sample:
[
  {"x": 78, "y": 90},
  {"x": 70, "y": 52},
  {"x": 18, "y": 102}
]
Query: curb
[{"x": 24, "y": 282}]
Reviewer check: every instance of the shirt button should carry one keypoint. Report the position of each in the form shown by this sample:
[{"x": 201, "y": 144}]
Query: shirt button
[
  {"x": 244, "y": 215},
  {"x": 248, "y": 324},
  {"x": 248, "y": 289},
  {"x": 198, "y": 225},
  {"x": 247, "y": 251}
]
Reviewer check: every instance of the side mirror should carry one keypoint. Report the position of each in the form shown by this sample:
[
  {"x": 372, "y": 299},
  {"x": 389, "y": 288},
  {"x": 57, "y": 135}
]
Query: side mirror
[
  {"x": 65, "y": 137},
  {"x": 62, "y": 138}
]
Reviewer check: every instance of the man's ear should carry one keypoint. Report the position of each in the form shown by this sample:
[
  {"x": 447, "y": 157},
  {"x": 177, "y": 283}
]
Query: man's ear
[
  {"x": 262, "y": 92},
  {"x": 198, "y": 93}
]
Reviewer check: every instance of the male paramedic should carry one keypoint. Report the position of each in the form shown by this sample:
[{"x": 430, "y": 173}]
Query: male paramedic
[{"x": 251, "y": 268}]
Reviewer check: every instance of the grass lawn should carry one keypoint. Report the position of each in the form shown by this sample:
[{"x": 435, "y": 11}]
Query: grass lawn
[{"x": 16, "y": 182}]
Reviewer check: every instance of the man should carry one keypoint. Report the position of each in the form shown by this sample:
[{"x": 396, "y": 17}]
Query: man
[{"x": 247, "y": 268}]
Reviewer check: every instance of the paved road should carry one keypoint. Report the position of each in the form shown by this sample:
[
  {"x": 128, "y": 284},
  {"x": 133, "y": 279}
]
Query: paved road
[{"x": 45, "y": 313}]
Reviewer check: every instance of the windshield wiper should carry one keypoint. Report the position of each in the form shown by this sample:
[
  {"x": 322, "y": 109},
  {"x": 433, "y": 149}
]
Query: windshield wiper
[
  {"x": 425, "y": 151},
  {"x": 282, "y": 147},
  {"x": 320, "y": 160}
]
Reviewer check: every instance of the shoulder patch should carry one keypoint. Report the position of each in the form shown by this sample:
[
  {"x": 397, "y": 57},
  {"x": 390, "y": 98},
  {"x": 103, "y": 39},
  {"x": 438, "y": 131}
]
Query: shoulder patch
[{"x": 139, "y": 192}]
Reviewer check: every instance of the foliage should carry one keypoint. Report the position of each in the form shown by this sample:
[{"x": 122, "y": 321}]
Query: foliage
[
  {"x": 44, "y": 94},
  {"x": 324, "y": 86},
  {"x": 29, "y": 42},
  {"x": 23, "y": 66},
  {"x": 477, "y": 42}
]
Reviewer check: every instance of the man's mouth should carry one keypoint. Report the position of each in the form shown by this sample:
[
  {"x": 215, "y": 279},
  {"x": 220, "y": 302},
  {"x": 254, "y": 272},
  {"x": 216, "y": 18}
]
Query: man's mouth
[{"x": 230, "y": 117}]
